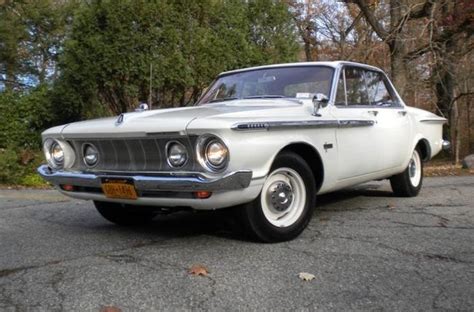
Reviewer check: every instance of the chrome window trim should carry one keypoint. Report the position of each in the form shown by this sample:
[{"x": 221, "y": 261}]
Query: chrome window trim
[{"x": 388, "y": 83}]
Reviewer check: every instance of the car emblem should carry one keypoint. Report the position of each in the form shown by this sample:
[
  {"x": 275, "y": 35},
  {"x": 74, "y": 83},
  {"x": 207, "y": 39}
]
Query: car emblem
[{"x": 119, "y": 119}]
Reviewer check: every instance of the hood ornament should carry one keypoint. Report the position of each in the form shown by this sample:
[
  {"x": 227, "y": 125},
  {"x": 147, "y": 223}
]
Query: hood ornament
[{"x": 119, "y": 119}]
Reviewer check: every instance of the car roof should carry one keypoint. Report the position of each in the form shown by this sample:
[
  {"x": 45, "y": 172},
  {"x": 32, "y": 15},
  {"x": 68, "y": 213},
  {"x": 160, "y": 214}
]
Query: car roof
[{"x": 334, "y": 64}]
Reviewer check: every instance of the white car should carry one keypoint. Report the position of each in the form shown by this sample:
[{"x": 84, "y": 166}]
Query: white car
[{"x": 265, "y": 139}]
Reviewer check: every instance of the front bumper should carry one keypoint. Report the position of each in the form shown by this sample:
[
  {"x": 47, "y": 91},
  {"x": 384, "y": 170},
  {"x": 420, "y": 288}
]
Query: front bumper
[{"x": 178, "y": 182}]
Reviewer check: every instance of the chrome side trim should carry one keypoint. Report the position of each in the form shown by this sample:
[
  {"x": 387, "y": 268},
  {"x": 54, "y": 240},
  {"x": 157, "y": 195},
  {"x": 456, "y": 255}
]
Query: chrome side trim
[
  {"x": 276, "y": 125},
  {"x": 165, "y": 182},
  {"x": 355, "y": 123},
  {"x": 435, "y": 120}
]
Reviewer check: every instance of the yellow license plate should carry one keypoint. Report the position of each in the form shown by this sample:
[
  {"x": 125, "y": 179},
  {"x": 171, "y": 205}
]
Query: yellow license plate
[{"x": 121, "y": 190}]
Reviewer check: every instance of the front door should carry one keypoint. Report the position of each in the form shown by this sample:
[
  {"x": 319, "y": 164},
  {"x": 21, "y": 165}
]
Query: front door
[{"x": 358, "y": 153}]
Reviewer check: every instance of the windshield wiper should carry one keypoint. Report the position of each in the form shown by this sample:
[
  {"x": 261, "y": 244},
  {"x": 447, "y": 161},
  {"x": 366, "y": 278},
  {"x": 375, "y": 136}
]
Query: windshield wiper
[
  {"x": 223, "y": 99},
  {"x": 267, "y": 96}
]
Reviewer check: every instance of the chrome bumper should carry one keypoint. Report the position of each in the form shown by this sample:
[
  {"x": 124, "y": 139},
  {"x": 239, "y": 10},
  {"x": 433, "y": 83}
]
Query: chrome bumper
[
  {"x": 163, "y": 182},
  {"x": 446, "y": 145}
]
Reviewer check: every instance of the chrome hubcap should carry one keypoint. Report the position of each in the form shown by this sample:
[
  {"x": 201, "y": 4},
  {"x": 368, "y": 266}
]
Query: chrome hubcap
[
  {"x": 283, "y": 197},
  {"x": 412, "y": 168},
  {"x": 280, "y": 195}
]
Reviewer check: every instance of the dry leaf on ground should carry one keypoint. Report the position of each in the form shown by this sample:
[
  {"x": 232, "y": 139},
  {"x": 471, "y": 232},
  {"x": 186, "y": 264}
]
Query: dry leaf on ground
[
  {"x": 198, "y": 269},
  {"x": 306, "y": 276}
]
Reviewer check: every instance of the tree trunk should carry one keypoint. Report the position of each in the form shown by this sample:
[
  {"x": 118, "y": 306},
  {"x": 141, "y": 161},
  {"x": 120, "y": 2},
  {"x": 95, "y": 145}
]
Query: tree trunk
[
  {"x": 10, "y": 78},
  {"x": 398, "y": 66},
  {"x": 456, "y": 138},
  {"x": 397, "y": 48}
]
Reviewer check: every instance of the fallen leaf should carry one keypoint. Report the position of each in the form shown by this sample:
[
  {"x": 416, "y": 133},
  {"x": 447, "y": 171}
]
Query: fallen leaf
[
  {"x": 306, "y": 276},
  {"x": 324, "y": 219},
  {"x": 198, "y": 269},
  {"x": 110, "y": 309}
]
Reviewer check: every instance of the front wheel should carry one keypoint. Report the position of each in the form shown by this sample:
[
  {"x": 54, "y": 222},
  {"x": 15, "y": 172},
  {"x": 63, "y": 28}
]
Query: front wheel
[
  {"x": 409, "y": 182},
  {"x": 121, "y": 214},
  {"x": 284, "y": 207}
]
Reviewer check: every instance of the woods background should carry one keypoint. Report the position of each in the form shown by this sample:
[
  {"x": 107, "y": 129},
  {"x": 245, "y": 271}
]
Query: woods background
[{"x": 68, "y": 60}]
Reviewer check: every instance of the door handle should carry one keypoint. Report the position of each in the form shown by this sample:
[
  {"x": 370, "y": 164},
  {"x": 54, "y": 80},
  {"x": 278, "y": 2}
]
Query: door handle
[
  {"x": 373, "y": 112},
  {"x": 402, "y": 113}
]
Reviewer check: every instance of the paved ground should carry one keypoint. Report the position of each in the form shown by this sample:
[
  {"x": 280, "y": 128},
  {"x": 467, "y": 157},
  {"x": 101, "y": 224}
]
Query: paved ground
[{"x": 368, "y": 251}]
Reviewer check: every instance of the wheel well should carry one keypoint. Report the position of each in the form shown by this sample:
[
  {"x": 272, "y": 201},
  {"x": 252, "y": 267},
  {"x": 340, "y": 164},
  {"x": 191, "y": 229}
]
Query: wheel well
[
  {"x": 312, "y": 158},
  {"x": 424, "y": 146}
]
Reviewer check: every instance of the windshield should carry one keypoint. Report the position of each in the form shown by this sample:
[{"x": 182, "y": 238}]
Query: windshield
[{"x": 280, "y": 82}]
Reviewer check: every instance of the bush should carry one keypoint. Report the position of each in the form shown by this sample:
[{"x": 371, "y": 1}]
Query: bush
[
  {"x": 18, "y": 166},
  {"x": 24, "y": 115}
]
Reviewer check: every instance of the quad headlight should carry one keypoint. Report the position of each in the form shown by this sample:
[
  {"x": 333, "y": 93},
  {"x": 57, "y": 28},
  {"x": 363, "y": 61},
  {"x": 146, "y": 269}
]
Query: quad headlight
[
  {"x": 176, "y": 154},
  {"x": 90, "y": 155},
  {"x": 212, "y": 153},
  {"x": 58, "y": 154}
]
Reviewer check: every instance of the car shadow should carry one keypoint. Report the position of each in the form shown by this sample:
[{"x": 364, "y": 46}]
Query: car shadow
[{"x": 224, "y": 223}]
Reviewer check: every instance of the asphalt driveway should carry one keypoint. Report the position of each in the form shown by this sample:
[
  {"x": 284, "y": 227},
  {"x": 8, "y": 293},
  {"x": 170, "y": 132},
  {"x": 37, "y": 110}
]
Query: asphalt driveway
[{"x": 367, "y": 250}]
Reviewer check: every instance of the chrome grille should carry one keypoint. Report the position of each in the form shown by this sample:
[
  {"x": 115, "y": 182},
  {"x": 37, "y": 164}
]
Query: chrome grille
[{"x": 132, "y": 154}]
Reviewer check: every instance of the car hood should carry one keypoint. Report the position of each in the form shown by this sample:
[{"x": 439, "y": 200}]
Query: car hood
[{"x": 178, "y": 119}]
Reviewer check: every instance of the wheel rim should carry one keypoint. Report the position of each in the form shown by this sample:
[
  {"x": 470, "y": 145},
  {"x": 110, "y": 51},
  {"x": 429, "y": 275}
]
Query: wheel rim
[
  {"x": 283, "y": 197},
  {"x": 414, "y": 169}
]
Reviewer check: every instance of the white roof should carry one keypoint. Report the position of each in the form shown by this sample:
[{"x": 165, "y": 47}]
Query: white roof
[{"x": 334, "y": 64}]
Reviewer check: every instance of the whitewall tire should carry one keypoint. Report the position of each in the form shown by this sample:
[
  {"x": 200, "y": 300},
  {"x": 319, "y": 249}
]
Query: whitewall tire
[
  {"x": 285, "y": 205},
  {"x": 409, "y": 182}
]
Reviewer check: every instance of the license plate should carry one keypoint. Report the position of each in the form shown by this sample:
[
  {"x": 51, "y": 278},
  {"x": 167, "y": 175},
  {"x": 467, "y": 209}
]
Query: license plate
[{"x": 119, "y": 189}]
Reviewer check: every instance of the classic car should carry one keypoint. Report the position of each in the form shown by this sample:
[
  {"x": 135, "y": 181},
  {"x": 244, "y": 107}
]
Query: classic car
[{"x": 264, "y": 140}]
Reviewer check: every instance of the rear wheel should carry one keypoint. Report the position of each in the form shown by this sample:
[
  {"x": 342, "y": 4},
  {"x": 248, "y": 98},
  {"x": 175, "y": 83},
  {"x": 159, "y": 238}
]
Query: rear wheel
[
  {"x": 122, "y": 214},
  {"x": 286, "y": 203},
  {"x": 409, "y": 182}
]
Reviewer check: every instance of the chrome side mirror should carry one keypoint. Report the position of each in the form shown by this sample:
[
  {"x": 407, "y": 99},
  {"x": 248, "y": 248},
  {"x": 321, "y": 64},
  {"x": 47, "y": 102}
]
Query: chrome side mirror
[
  {"x": 319, "y": 101},
  {"x": 142, "y": 107}
]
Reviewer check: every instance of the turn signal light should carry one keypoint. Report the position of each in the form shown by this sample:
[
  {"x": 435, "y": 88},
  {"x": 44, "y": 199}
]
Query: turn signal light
[
  {"x": 67, "y": 187},
  {"x": 202, "y": 194}
]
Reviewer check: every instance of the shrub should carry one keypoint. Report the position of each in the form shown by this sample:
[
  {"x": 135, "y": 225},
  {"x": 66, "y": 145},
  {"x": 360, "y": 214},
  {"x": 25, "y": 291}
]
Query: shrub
[{"x": 18, "y": 166}]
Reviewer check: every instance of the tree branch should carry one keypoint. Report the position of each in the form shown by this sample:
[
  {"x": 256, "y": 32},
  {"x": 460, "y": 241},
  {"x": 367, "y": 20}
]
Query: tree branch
[
  {"x": 371, "y": 19},
  {"x": 20, "y": 84},
  {"x": 351, "y": 26},
  {"x": 461, "y": 95},
  {"x": 421, "y": 11}
]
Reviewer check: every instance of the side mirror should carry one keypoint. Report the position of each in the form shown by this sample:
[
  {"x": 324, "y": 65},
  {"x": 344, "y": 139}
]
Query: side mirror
[
  {"x": 319, "y": 101},
  {"x": 142, "y": 107}
]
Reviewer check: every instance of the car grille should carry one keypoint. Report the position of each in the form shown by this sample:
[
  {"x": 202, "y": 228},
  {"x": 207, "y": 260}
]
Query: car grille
[{"x": 133, "y": 154}]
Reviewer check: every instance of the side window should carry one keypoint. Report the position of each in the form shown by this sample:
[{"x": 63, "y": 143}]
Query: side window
[
  {"x": 341, "y": 93},
  {"x": 377, "y": 89},
  {"x": 356, "y": 87}
]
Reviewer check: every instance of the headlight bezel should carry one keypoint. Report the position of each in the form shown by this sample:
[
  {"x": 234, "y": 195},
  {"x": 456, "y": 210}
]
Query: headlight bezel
[
  {"x": 202, "y": 148},
  {"x": 168, "y": 146},
  {"x": 69, "y": 156}
]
